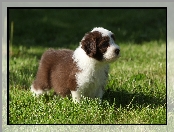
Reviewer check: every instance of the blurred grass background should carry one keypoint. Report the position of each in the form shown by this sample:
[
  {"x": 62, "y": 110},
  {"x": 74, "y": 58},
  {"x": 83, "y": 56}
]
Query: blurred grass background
[{"x": 66, "y": 27}]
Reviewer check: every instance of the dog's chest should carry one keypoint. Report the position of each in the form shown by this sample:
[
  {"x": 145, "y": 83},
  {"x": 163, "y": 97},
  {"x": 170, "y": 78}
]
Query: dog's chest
[{"x": 91, "y": 79}]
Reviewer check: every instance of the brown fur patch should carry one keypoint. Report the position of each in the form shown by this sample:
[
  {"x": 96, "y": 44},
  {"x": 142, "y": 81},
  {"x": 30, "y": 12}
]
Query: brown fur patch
[
  {"x": 57, "y": 70},
  {"x": 95, "y": 45}
]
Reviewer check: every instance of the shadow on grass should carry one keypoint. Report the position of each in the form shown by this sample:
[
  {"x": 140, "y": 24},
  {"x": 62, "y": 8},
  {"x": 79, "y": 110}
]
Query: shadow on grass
[{"x": 125, "y": 99}]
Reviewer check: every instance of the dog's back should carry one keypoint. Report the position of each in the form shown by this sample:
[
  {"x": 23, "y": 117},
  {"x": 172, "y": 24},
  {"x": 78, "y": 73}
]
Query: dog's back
[{"x": 56, "y": 70}]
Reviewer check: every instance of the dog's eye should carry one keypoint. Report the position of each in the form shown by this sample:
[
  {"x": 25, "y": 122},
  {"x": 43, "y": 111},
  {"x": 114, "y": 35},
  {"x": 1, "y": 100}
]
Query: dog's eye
[
  {"x": 113, "y": 37},
  {"x": 105, "y": 44}
]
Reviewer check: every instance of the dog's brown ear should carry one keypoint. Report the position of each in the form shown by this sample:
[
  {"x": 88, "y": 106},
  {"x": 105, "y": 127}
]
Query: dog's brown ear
[{"x": 89, "y": 43}]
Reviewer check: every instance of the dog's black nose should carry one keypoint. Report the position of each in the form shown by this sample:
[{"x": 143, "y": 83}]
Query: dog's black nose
[{"x": 117, "y": 51}]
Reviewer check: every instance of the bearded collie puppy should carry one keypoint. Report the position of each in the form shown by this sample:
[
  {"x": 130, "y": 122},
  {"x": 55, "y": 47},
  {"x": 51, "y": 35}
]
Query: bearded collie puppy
[{"x": 80, "y": 73}]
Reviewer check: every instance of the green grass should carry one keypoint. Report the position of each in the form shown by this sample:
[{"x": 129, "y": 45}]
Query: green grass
[
  {"x": 135, "y": 93},
  {"x": 136, "y": 88}
]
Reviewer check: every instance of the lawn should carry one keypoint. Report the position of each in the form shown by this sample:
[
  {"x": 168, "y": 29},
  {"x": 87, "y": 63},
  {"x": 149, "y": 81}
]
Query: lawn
[{"x": 136, "y": 88}]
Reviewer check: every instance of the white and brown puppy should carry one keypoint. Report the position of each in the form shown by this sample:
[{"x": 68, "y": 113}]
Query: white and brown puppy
[{"x": 80, "y": 73}]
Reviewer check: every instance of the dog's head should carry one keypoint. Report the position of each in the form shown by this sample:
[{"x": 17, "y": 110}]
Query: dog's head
[{"x": 99, "y": 44}]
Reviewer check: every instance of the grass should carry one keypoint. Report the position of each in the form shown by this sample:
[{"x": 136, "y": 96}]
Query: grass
[
  {"x": 135, "y": 93},
  {"x": 136, "y": 88}
]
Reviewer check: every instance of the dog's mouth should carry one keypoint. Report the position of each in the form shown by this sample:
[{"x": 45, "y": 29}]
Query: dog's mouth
[
  {"x": 111, "y": 54},
  {"x": 111, "y": 59}
]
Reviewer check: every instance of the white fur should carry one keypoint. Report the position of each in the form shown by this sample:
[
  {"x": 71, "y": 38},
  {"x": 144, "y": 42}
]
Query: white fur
[
  {"x": 103, "y": 31},
  {"x": 92, "y": 76},
  {"x": 109, "y": 54},
  {"x": 91, "y": 79},
  {"x": 36, "y": 92}
]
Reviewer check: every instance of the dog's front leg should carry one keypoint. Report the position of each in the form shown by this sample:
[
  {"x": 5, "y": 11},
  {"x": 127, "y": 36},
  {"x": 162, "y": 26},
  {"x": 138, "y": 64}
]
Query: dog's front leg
[
  {"x": 76, "y": 96},
  {"x": 99, "y": 94}
]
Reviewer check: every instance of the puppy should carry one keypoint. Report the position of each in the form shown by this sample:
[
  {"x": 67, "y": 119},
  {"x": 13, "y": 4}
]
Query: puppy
[{"x": 80, "y": 73}]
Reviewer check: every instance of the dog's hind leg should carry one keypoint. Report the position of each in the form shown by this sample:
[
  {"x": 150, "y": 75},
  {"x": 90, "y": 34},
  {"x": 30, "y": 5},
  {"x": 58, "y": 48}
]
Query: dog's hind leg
[
  {"x": 36, "y": 92},
  {"x": 42, "y": 82}
]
